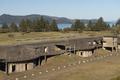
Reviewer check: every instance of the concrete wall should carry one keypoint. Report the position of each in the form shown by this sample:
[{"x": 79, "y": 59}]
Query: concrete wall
[
  {"x": 84, "y": 53},
  {"x": 19, "y": 67},
  {"x": 119, "y": 46},
  {"x": 109, "y": 42}
]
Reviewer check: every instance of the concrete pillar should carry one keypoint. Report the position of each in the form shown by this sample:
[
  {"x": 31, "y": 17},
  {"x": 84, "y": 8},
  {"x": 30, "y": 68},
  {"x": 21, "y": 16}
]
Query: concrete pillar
[
  {"x": 6, "y": 67},
  {"x": 17, "y": 68},
  {"x": 112, "y": 49},
  {"x": 45, "y": 57},
  {"x": 10, "y": 68},
  {"x": 23, "y": 67},
  {"x": 74, "y": 49},
  {"x": 39, "y": 61},
  {"x": 20, "y": 68},
  {"x": 29, "y": 66}
]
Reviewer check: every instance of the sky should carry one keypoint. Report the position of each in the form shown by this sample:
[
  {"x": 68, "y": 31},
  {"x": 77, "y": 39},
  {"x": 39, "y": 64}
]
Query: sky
[{"x": 74, "y": 9}]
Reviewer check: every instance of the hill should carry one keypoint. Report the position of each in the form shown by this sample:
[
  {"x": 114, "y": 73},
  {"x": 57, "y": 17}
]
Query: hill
[{"x": 6, "y": 18}]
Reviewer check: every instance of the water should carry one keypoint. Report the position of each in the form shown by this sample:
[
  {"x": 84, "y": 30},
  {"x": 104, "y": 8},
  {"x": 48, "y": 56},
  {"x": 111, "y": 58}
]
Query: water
[{"x": 62, "y": 26}]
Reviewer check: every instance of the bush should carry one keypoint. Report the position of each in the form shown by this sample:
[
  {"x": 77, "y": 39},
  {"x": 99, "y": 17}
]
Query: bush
[
  {"x": 11, "y": 35},
  {"x": 117, "y": 78}
]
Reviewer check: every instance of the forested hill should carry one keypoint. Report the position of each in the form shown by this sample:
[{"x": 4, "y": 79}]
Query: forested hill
[{"x": 5, "y": 18}]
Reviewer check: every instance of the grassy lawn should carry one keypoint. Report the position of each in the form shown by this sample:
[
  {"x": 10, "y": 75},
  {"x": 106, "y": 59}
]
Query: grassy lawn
[
  {"x": 93, "y": 71},
  {"x": 117, "y": 78},
  {"x": 33, "y": 37},
  {"x": 2, "y": 75},
  {"x": 98, "y": 70}
]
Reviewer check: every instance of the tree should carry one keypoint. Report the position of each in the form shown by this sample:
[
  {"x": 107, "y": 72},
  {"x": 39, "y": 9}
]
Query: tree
[
  {"x": 23, "y": 26},
  {"x": 118, "y": 22},
  {"x": 47, "y": 26},
  {"x": 78, "y": 26},
  {"x": 53, "y": 26},
  {"x": 29, "y": 25},
  {"x": 90, "y": 25},
  {"x": 40, "y": 25},
  {"x": 100, "y": 25},
  {"x": 13, "y": 27},
  {"x": 116, "y": 28},
  {"x": 5, "y": 28}
]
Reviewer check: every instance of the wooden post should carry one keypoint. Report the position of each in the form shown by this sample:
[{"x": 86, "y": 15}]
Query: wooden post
[
  {"x": 113, "y": 45},
  {"x": 66, "y": 49},
  {"x": 39, "y": 61},
  {"x": 112, "y": 49},
  {"x": 6, "y": 67},
  {"x": 74, "y": 48},
  {"x": 45, "y": 57}
]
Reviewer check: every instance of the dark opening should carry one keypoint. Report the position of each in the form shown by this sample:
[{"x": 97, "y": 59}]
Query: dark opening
[
  {"x": 25, "y": 66},
  {"x": 2, "y": 66},
  {"x": 41, "y": 59},
  {"x": 36, "y": 62},
  {"x": 62, "y": 47},
  {"x": 13, "y": 68},
  {"x": 81, "y": 53},
  {"x": 108, "y": 48}
]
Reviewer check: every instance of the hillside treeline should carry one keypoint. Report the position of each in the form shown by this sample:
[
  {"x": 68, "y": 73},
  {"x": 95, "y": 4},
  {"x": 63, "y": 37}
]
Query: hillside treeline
[{"x": 41, "y": 25}]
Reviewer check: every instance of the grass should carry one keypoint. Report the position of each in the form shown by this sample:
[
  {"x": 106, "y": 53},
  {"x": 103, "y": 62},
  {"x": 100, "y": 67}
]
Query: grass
[
  {"x": 117, "y": 78},
  {"x": 2, "y": 75},
  {"x": 83, "y": 72},
  {"x": 33, "y": 37}
]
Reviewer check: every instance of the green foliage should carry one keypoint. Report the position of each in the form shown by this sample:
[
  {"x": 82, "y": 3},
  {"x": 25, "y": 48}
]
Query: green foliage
[
  {"x": 100, "y": 25},
  {"x": 13, "y": 27},
  {"x": 116, "y": 28},
  {"x": 38, "y": 25},
  {"x": 11, "y": 35},
  {"x": 78, "y": 26},
  {"x": 53, "y": 26},
  {"x": 118, "y": 22},
  {"x": 117, "y": 78},
  {"x": 4, "y": 28},
  {"x": 23, "y": 26},
  {"x": 90, "y": 25}
]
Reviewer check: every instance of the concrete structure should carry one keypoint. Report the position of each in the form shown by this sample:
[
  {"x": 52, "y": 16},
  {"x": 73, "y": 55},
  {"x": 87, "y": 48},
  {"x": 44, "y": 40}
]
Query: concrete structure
[
  {"x": 18, "y": 58},
  {"x": 84, "y": 53},
  {"x": 110, "y": 43},
  {"x": 118, "y": 42}
]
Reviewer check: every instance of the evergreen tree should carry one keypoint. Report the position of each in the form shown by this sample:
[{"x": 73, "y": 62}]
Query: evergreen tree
[
  {"x": 100, "y": 25},
  {"x": 47, "y": 26},
  {"x": 90, "y": 25},
  {"x": 26, "y": 25},
  {"x": 5, "y": 28},
  {"x": 39, "y": 25},
  {"x": 118, "y": 22},
  {"x": 23, "y": 26},
  {"x": 42, "y": 24},
  {"x": 116, "y": 28},
  {"x": 53, "y": 26},
  {"x": 13, "y": 27},
  {"x": 78, "y": 26}
]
